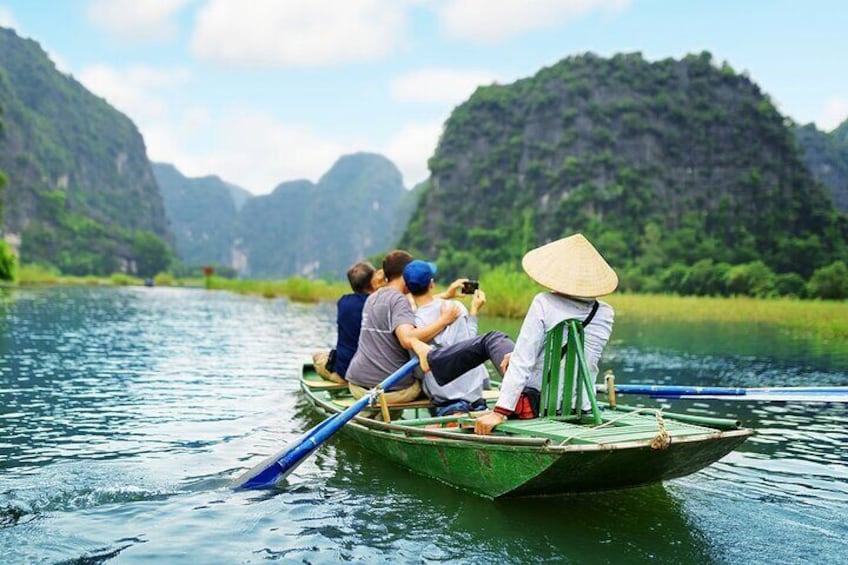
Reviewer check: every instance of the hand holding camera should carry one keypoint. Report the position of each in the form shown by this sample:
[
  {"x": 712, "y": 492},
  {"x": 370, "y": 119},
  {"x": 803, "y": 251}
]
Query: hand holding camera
[{"x": 469, "y": 286}]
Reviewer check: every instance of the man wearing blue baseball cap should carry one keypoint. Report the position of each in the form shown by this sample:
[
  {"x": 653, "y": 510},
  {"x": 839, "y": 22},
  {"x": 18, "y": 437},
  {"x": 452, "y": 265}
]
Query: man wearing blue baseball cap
[
  {"x": 465, "y": 393},
  {"x": 449, "y": 362}
]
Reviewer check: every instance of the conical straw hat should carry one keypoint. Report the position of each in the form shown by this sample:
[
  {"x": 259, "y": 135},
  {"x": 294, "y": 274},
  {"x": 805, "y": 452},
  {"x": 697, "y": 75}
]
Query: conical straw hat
[{"x": 571, "y": 266}]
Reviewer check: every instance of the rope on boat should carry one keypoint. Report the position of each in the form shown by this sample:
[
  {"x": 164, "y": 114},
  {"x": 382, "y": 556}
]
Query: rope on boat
[
  {"x": 374, "y": 395},
  {"x": 661, "y": 441}
]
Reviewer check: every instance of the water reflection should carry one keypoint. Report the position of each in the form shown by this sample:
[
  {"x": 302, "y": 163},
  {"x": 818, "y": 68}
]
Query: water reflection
[
  {"x": 125, "y": 412},
  {"x": 635, "y": 525}
]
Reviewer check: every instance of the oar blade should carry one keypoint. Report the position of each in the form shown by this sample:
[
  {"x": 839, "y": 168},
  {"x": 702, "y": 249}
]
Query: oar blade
[
  {"x": 277, "y": 467},
  {"x": 269, "y": 473}
]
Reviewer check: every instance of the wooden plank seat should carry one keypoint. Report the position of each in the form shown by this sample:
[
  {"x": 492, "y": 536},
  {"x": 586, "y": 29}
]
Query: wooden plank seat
[
  {"x": 321, "y": 384},
  {"x": 423, "y": 403}
]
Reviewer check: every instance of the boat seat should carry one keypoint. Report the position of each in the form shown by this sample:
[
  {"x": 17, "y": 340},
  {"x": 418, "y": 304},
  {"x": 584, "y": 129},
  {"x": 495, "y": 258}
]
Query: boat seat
[
  {"x": 322, "y": 384},
  {"x": 424, "y": 403}
]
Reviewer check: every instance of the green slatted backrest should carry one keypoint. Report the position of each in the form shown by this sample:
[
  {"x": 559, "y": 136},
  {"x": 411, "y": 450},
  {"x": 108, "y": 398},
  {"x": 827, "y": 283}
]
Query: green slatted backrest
[{"x": 558, "y": 385}]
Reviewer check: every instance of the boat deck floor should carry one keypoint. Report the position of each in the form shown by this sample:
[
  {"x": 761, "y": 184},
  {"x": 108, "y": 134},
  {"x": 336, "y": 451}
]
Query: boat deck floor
[
  {"x": 615, "y": 429},
  {"x": 617, "y": 426}
]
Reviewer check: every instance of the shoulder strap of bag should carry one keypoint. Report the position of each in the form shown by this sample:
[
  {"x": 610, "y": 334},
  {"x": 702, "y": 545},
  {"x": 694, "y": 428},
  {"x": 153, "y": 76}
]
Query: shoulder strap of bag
[{"x": 584, "y": 323}]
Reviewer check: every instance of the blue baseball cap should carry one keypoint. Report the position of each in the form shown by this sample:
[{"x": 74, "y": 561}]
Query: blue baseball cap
[{"x": 418, "y": 274}]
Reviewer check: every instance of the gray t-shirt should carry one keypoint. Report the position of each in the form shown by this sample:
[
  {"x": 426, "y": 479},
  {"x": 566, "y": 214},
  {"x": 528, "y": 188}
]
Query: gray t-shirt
[{"x": 379, "y": 353}]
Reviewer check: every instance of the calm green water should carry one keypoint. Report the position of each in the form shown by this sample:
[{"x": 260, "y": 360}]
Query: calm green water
[{"x": 124, "y": 413}]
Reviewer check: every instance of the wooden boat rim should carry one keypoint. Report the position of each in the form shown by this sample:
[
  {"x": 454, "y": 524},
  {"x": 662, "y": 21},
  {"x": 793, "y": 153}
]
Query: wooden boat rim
[{"x": 443, "y": 438}]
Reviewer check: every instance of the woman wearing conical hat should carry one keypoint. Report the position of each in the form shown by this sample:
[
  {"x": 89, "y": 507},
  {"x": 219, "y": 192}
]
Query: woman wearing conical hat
[{"x": 576, "y": 274}]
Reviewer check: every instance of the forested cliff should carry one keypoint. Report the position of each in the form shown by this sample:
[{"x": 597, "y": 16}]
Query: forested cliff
[
  {"x": 664, "y": 164},
  {"x": 80, "y": 193},
  {"x": 826, "y": 155},
  {"x": 202, "y": 213},
  {"x": 358, "y": 208}
]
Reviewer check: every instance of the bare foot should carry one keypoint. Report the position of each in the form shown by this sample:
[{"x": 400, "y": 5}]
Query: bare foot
[{"x": 421, "y": 349}]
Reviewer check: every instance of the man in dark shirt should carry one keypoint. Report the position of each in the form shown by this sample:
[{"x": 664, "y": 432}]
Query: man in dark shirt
[{"x": 364, "y": 279}]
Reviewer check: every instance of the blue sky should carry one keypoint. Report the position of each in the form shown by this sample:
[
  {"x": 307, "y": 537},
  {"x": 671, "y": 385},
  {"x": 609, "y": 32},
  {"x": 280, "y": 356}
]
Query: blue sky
[{"x": 264, "y": 91}]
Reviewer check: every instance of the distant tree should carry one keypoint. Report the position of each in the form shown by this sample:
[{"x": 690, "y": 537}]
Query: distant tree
[
  {"x": 790, "y": 284},
  {"x": 8, "y": 262},
  {"x": 672, "y": 278},
  {"x": 706, "y": 278},
  {"x": 830, "y": 281},
  {"x": 151, "y": 254},
  {"x": 751, "y": 279}
]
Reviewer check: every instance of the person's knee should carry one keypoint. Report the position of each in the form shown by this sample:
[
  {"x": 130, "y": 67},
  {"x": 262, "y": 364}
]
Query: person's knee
[{"x": 495, "y": 336}]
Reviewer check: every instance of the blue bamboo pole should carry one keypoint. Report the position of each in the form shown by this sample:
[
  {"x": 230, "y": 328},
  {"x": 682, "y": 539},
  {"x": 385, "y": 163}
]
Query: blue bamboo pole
[
  {"x": 675, "y": 390},
  {"x": 278, "y": 466},
  {"x": 812, "y": 394}
]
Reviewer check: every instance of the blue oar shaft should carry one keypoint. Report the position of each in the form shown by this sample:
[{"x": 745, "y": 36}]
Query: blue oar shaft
[
  {"x": 811, "y": 394},
  {"x": 674, "y": 390},
  {"x": 270, "y": 473}
]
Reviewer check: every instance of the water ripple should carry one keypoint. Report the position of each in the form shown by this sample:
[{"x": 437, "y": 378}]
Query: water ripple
[{"x": 124, "y": 413}]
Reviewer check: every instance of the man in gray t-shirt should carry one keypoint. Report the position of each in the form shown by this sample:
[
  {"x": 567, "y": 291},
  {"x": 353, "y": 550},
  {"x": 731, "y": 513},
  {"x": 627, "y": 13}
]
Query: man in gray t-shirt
[
  {"x": 379, "y": 353},
  {"x": 388, "y": 328}
]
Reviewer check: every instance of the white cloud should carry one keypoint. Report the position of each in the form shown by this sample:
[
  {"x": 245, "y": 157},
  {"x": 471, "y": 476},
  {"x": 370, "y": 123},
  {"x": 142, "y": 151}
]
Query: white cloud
[
  {"x": 61, "y": 65},
  {"x": 449, "y": 86},
  {"x": 411, "y": 147},
  {"x": 137, "y": 20},
  {"x": 257, "y": 151},
  {"x": 490, "y": 21},
  {"x": 297, "y": 33},
  {"x": 7, "y": 19},
  {"x": 244, "y": 146},
  {"x": 140, "y": 92},
  {"x": 835, "y": 112}
]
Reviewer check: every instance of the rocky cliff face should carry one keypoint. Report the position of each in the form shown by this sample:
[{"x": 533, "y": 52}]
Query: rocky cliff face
[
  {"x": 685, "y": 157},
  {"x": 826, "y": 155},
  {"x": 358, "y": 208},
  {"x": 79, "y": 178},
  {"x": 202, "y": 213}
]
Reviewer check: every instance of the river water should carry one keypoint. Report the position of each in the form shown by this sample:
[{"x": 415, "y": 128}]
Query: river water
[{"x": 124, "y": 413}]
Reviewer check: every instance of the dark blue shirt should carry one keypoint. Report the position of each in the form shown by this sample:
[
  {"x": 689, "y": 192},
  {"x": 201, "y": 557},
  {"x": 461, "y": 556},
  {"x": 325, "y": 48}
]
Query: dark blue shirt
[{"x": 349, "y": 321}]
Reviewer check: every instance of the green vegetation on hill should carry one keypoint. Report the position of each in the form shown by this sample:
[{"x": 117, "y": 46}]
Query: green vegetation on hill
[
  {"x": 682, "y": 173},
  {"x": 80, "y": 188},
  {"x": 202, "y": 213},
  {"x": 8, "y": 261}
]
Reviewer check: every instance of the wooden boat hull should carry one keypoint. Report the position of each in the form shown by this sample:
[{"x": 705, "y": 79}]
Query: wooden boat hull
[{"x": 496, "y": 471}]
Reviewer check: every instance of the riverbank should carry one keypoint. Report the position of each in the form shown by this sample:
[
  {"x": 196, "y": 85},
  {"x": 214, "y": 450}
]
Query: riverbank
[
  {"x": 296, "y": 289},
  {"x": 509, "y": 295}
]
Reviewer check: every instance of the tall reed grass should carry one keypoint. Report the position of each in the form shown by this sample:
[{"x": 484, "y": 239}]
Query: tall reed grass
[
  {"x": 509, "y": 295},
  {"x": 826, "y": 319},
  {"x": 296, "y": 289}
]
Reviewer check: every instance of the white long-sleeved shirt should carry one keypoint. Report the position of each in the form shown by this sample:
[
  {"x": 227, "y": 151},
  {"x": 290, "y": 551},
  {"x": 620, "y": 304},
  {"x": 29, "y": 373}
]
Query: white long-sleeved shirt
[
  {"x": 546, "y": 311},
  {"x": 469, "y": 386}
]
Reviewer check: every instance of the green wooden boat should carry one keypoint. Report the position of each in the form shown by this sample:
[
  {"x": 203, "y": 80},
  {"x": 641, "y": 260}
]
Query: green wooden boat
[{"x": 613, "y": 447}]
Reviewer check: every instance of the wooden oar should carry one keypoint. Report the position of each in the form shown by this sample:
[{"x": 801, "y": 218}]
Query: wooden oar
[
  {"x": 796, "y": 394},
  {"x": 277, "y": 467}
]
